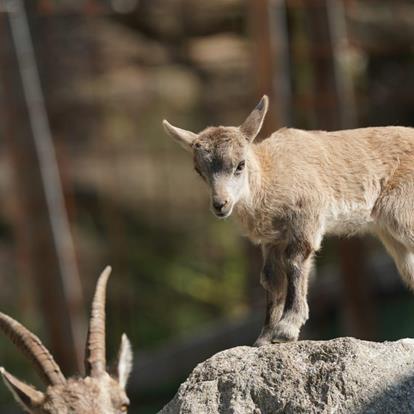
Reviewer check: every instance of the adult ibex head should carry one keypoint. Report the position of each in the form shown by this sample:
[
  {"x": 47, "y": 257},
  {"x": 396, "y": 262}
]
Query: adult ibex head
[
  {"x": 221, "y": 155},
  {"x": 97, "y": 393}
]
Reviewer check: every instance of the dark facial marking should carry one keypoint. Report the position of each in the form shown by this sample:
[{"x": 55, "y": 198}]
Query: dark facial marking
[
  {"x": 197, "y": 170},
  {"x": 215, "y": 149},
  {"x": 217, "y": 165}
]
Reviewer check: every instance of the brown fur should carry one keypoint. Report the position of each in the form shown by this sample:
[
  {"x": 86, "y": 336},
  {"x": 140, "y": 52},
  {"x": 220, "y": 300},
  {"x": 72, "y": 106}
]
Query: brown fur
[
  {"x": 300, "y": 185},
  {"x": 97, "y": 393},
  {"x": 86, "y": 395}
]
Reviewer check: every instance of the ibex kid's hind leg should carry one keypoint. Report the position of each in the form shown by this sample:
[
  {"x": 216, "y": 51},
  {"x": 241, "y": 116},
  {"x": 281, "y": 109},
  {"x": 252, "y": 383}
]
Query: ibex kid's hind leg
[
  {"x": 394, "y": 217},
  {"x": 273, "y": 279},
  {"x": 403, "y": 257}
]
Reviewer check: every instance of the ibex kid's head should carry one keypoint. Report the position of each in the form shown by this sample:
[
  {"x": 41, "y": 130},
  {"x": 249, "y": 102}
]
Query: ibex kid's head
[
  {"x": 221, "y": 157},
  {"x": 97, "y": 393}
]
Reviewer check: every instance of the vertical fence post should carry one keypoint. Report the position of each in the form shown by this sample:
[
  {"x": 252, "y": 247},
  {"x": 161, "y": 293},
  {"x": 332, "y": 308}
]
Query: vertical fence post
[{"x": 42, "y": 227}]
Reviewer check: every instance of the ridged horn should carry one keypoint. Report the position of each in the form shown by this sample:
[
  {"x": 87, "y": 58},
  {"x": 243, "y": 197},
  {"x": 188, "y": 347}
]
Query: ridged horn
[
  {"x": 95, "y": 361},
  {"x": 33, "y": 348}
]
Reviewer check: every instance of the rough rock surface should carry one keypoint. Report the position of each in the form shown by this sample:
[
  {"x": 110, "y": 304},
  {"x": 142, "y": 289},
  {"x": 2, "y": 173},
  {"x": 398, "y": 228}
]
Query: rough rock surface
[{"x": 343, "y": 375}]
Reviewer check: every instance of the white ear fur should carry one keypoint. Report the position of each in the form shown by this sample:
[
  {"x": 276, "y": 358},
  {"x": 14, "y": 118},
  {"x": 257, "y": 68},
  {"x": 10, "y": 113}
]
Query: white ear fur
[
  {"x": 181, "y": 136},
  {"x": 26, "y": 395},
  {"x": 125, "y": 357},
  {"x": 253, "y": 123}
]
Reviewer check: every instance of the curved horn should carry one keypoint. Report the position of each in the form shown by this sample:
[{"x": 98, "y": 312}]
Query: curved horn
[
  {"x": 95, "y": 362},
  {"x": 33, "y": 348}
]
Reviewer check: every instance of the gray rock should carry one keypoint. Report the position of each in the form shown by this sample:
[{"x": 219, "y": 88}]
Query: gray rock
[{"x": 343, "y": 375}]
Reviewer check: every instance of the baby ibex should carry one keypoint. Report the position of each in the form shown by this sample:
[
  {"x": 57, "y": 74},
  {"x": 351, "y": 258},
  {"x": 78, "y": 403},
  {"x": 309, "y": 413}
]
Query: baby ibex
[
  {"x": 97, "y": 393},
  {"x": 294, "y": 187}
]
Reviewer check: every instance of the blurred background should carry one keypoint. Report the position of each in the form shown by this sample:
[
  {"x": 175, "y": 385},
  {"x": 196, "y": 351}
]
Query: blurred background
[{"x": 88, "y": 177}]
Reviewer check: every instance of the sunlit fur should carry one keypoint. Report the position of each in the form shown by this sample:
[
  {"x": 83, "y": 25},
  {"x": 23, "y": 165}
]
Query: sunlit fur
[{"x": 298, "y": 186}]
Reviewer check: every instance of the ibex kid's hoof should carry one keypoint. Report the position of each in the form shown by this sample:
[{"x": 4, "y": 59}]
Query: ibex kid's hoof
[{"x": 285, "y": 332}]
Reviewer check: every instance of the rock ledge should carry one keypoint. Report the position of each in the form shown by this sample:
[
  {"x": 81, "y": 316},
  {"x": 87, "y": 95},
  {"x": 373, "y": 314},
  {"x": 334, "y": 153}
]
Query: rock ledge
[{"x": 344, "y": 375}]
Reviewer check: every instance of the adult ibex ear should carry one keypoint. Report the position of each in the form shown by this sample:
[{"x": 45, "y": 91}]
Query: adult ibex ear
[
  {"x": 27, "y": 396},
  {"x": 253, "y": 123},
  {"x": 124, "y": 361},
  {"x": 183, "y": 137}
]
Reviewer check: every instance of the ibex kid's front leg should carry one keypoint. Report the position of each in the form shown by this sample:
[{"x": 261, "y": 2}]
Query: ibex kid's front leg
[
  {"x": 297, "y": 264},
  {"x": 273, "y": 279}
]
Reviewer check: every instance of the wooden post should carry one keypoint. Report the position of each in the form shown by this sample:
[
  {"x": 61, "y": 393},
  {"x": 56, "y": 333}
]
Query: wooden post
[
  {"x": 42, "y": 226},
  {"x": 267, "y": 21}
]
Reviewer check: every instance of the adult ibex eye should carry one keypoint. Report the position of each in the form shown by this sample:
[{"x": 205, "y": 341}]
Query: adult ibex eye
[{"x": 240, "y": 167}]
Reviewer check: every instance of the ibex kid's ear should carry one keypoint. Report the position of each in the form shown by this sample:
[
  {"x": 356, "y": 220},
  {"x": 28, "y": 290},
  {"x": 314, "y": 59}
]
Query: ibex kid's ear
[
  {"x": 27, "y": 396},
  {"x": 253, "y": 123},
  {"x": 183, "y": 137},
  {"x": 125, "y": 357}
]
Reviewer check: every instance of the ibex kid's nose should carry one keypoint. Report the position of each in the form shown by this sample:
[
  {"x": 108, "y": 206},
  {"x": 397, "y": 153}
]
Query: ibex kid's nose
[{"x": 219, "y": 204}]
